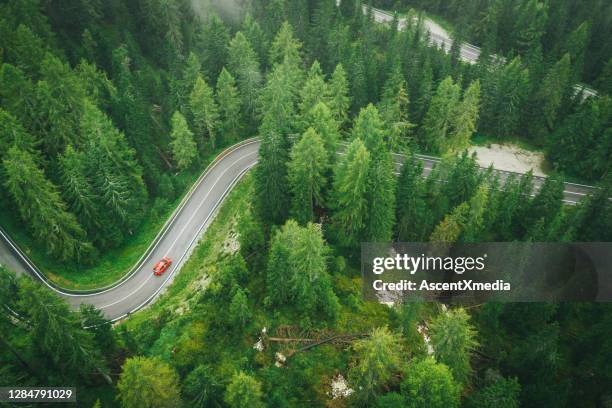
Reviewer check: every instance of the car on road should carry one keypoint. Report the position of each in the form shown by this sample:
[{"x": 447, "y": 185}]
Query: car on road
[{"x": 162, "y": 266}]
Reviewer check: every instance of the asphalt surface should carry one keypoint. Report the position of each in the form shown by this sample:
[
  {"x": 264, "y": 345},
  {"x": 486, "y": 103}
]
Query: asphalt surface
[
  {"x": 440, "y": 38},
  {"x": 196, "y": 212},
  {"x": 177, "y": 242}
]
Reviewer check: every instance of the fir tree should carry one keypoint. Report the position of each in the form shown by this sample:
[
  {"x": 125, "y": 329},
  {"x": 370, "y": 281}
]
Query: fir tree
[
  {"x": 184, "y": 148},
  {"x": 307, "y": 170}
]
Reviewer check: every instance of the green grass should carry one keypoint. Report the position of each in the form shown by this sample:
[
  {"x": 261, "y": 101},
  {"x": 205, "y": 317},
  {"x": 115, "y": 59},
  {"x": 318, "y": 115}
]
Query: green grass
[
  {"x": 192, "y": 278},
  {"x": 113, "y": 263}
]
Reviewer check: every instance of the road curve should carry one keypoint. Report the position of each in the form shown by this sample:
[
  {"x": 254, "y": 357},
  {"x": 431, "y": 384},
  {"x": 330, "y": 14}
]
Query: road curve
[
  {"x": 177, "y": 239},
  {"x": 181, "y": 233}
]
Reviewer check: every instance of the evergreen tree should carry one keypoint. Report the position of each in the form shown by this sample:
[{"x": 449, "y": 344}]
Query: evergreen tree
[
  {"x": 257, "y": 38},
  {"x": 440, "y": 116},
  {"x": 453, "y": 340},
  {"x": 42, "y": 209},
  {"x": 239, "y": 311},
  {"x": 243, "y": 63},
  {"x": 307, "y": 170},
  {"x": 465, "y": 121},
  {"x": 320, "y": 118},
  {"x": 214, "y": 42},
  {"x": 555, "y": 88},
  {"x": 229, "y": 106},
  {"x": 285, "y": 47},
  {"x": 202, "y": 389},
  {"x": 55, "y": 332},
  {"x": 184, "y": 148},
  {"x": 394, "y": 109},
  {"x": 271, "y": 193},
  {"x": 115, "y": 174},
  {"x": 204, "y": 111},
  {"x": 349, "y": 194},
  {"x": 148, "y": 379},
  {"x": 414, "y": 218},
  {"x": 315, "y": 90},
  {"x": 378, "y": 358},
  {"x": 504, "y": 93},
  {"x": 243, "y": 391},
  {"x": 500, "y": 393},
  {"x": 430, "y": 384},
  {"x": 339, "y": 102}
]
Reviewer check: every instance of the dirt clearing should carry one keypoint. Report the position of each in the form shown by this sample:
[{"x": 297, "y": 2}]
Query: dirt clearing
[{"x": 509, "y": 158}]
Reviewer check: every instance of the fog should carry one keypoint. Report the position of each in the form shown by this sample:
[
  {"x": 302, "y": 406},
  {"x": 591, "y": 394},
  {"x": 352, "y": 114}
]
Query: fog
[{"x": 232, "y": 10}]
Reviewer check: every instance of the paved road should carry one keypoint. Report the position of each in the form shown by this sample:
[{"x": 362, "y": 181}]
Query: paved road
[
  {"x": 185, "y": 227},
  {"x": 177, "y": 241},
  {"x": 440, "y": 38}
]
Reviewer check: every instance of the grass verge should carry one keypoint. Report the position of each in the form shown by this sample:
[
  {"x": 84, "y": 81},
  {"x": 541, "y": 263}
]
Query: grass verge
[
  {"x": 113, "y": 263},
  {"x": 193, "y": 276}
]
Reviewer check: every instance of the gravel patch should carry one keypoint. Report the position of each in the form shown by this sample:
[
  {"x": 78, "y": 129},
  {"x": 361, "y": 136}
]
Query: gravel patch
[{"x": 509, "y": 158}]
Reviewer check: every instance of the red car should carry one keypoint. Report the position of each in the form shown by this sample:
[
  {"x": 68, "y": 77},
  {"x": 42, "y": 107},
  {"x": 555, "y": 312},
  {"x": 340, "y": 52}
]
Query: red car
[{"x": 162, "y": 266}]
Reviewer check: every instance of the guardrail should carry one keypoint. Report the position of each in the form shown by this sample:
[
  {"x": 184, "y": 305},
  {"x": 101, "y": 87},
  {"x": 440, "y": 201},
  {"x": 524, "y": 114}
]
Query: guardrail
[{"x": 33, "y": 269}]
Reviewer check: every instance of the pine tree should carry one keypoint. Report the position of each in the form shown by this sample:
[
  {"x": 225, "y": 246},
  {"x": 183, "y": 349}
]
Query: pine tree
[
  {"x": 278, "y": 101},
  {"x": 271, "y": 193},
  {"x": 307, "y": 176},
  {"x": 148, "y": 379},
  {"x": 378, "y": 358},
  {"x": 229, "y": 106},
  {"x": 56, "y": 332},
  {"x": 184, "y": 86},
  {"x": 554, "y": 89},
  {"x": 243, "y": 63},
  {"x": 504, "y": 94},
  {"x": 244, "y": 391},
  {"x": 430, "y": 384},
  {"x": 394, "y": 109},
  {"x": 204, "y": 111},
  {"x": 449, "y": 230},
  {"x": 184, "y": 148},
  {"x": 349, "y": 193},
  {"x": 257, "y": 38},
  {"x": 239, "y": 311},
  {"x": 465, "y": 121},
  {"x": 414, "y": 218},
  {"x": 116, "y": 175},
  {"x": 285, "y": 47},
  {"x": 453, "y": 339},
  {"x": 440, "y": 116},
  {"x": 79, "y": 192},
  {"x": 42, "y": 209},
  {"x": 214, "y": 42},
  {"x": 339, "y": 102},
  {"x": 370, "y": 128},
  {"x": 315, "y": 90},
  {"x": 320, "y": 118}
]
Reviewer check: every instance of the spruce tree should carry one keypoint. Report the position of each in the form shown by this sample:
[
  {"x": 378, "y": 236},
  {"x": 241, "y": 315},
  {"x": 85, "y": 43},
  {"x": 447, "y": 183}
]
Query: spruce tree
[
  {"x": 465, "y": 121},
  {"x": 349, "y": 197},
  {"x": 205, "y": 112},
  {"x": 229, "y": 106},
  {"x": 321, "y": 119},
  {"x": 243, "y": 63},
  {"x": 414, "y": 218},
  {"x": 42, "y": 209},
  {"x": 339, "y": 102},
  {"x": 440, "y": 116},
  {"x": 394, "y": 109},
  {"x": 184, "y": 148},
  {"x": 315, "y": 90},
  {"x": 272, "y": 191},
  {"x": 214, "y": 42},
  {"x": 307, "y": 176}
]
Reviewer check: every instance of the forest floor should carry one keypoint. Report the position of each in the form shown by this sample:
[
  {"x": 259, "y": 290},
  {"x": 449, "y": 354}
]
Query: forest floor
[{"x": 510, "y": 157}]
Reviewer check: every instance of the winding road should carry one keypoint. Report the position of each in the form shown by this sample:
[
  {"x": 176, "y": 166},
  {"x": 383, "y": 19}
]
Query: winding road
[
  {"x": 182, "y": 231},
  {"x": 176, "y": 239}
]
